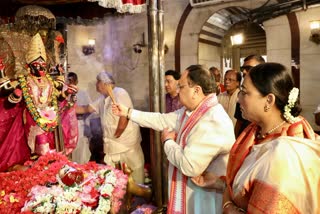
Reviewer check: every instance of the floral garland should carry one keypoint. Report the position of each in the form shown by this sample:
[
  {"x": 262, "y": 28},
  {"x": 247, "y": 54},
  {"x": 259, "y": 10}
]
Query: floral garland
[
  {"x": 45, "y": 119},
  {"x": 103, "y": 188},
  {"x": 292, "y": 99}
]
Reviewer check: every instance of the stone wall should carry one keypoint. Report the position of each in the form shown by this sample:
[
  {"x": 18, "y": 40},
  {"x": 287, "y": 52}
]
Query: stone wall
[
  {"x": 114, "y": 37},
  {"x": 309, "y": 65}
]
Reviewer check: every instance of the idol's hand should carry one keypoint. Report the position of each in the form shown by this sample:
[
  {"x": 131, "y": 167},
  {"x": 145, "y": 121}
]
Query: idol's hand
[
  {"x": 72, "y": 89},
  {"x": 120, "y": 110},
  {"x": 17, "y": 92}
]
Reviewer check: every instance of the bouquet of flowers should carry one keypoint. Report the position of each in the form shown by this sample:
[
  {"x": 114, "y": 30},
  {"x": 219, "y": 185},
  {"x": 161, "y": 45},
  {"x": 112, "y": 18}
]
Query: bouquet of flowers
[{"x": 53, "y": 184}]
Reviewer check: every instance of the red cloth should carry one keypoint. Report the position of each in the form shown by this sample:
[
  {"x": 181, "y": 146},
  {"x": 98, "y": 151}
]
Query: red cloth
[
  {"x": 222, "y": 88},
  {"x": 69, "y": 124},
  {"x": 13, "y": 133},
  {"x": 13, "y": 143}
]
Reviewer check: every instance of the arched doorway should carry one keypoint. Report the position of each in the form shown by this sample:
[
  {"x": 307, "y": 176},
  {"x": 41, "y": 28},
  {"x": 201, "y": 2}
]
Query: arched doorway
[{"x": 215, "y": 47}]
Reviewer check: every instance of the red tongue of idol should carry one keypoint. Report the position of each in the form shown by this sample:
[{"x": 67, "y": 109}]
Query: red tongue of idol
[{"x": 42, "y": 73}]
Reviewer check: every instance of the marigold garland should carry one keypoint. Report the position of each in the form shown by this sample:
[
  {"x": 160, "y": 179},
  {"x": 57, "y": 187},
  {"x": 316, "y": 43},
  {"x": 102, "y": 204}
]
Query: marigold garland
[{"x": 41, "y": 122}]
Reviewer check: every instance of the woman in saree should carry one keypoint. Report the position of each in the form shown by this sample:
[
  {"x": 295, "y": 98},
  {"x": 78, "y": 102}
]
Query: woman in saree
[{"x": 273, "y": 166}]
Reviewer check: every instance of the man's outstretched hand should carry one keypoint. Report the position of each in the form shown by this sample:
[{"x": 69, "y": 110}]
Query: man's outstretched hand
[{"x": 119, "y": 110}]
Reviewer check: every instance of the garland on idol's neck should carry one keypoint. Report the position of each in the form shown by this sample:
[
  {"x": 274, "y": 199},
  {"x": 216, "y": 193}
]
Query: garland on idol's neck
[
  {"x": 292, "y": 99},
  {"x": 43, "y": 123}
]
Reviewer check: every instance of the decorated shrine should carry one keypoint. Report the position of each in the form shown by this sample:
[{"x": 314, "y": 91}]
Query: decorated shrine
[
  {"x": 39, "y": 128},
  {"x": 34, "y": 103}
]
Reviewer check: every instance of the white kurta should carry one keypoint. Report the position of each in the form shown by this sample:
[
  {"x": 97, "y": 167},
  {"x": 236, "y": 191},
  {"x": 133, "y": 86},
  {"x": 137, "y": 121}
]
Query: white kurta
[
  {"x": 229, "y": 103},
  {"x": 127, "y": 147},
  {"x": 207, "y": 148}
]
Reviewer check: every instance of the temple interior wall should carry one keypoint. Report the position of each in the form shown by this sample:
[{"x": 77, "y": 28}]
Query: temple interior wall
[{"x": 115, "y": 37}]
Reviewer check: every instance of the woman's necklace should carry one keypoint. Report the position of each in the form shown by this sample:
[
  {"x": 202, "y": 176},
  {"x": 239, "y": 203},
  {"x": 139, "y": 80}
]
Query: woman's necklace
[{"x": 261, "y": 136}]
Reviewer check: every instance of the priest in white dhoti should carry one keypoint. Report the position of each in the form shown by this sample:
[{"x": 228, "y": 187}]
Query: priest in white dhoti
[
  {"x": 196, "y": 139},
  {"x": 121, "y": 138}
]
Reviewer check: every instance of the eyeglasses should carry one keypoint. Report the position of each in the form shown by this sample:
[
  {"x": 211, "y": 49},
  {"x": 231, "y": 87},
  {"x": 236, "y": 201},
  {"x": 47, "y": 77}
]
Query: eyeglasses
[{"x": 245, "y": 67}]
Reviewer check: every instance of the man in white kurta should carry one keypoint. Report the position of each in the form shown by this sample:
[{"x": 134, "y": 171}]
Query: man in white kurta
[
  {"x": 204, "y": 146},
  {"x": 229, "y": 98},
  {"x": 127, "y": 147},
  {"x": 121, "y": 137},
  {"x": 229, "y": 102}
]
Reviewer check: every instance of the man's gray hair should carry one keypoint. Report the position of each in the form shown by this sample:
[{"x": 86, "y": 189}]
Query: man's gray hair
[{"x": 105, "y": 77}]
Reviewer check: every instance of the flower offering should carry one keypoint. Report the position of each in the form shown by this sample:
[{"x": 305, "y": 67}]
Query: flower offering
[{"x": 53, "y": 184}]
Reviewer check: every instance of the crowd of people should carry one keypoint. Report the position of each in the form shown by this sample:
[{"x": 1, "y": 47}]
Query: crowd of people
[
  {"x": 271, "y": 167},
  {"x": 235, "y": 147}
]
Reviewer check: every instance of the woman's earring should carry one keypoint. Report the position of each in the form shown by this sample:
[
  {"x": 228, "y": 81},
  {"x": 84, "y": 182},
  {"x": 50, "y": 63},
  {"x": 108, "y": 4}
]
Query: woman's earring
[{"x": 266, "y": 108}]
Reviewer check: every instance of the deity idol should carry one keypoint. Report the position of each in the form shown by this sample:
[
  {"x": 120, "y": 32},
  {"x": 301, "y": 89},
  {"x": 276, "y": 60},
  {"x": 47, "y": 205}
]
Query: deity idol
[{"x": 39, "y": 107}]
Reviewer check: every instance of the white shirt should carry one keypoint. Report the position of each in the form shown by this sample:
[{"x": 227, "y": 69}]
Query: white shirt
[
  {"x": 131, "y": 135},
  {"x": 229, "y": 103},
  {"x": 207, "y": 149}
]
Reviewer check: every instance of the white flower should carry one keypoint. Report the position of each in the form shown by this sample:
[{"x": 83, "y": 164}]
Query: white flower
[
  {"x": 45, "y": 208},
  {"x": 104, "y": 206},
  {"x": 67, "y": 207},
  {"x": 40, "y": 204},
  {"x": 111, "y": 177},
  {"x": 86, "y": 210},
  {"x": 70, "y": 194},
  {"x": 106, "y": 189},
  {"x": 292, "y": 99}
]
